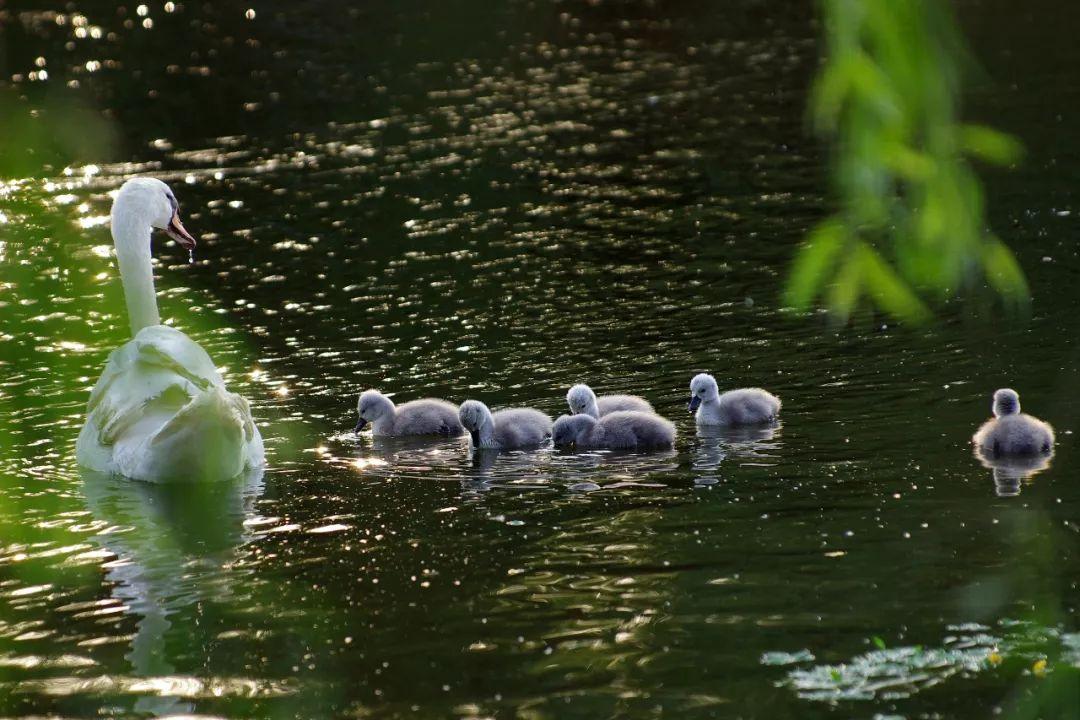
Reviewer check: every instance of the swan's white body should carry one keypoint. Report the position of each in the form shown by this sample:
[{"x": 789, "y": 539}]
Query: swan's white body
[{"x": 160, "y": 411}]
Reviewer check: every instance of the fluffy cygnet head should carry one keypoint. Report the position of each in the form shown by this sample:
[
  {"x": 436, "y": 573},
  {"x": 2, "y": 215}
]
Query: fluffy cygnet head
[
  {"x": 1006, "y": 402},
  {"x": 150, "y": 202},
  {"x": 582, "y": 399},
  {"x": 569, "y": 429},
  {"x": 702, "y": 389},
  {"x": 474, "y": 415},
  {"x": 372, "y": 406}
]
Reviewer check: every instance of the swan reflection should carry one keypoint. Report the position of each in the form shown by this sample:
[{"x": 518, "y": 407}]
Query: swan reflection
[{"x": 173, "y": 544}]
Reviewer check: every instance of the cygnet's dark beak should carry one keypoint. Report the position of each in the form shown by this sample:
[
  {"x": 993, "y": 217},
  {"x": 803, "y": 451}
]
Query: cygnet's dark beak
[
  {"x": 360, "y": 425},
  {"x": 175, "y": 229},
  {"x": 475, "y": 434},
  {"x": 694, "y": 402}
]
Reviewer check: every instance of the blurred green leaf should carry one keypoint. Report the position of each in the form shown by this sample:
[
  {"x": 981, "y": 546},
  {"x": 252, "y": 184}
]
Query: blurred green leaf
[
  {"x": 1003, "y": 272},
  {"x": 911, "y": 210},
  {"x": 844, "y": 292},
  {"x": 890, "y": 292},
  {"x": 907, "y": 162},
  {"x": 990, "y": 145},
  {"x": 874, "y": 88},
  {"x": 829, "y": 92},
  {"x": 812, "y": 263}
]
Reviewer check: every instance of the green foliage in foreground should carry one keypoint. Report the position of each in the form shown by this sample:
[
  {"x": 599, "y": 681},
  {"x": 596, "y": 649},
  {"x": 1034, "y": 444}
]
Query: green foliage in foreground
[{"x": 910, "y": 225}]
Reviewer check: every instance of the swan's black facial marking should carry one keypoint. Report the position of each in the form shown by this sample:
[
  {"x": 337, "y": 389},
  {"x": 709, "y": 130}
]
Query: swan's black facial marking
[{"x": 172, "y": 201}]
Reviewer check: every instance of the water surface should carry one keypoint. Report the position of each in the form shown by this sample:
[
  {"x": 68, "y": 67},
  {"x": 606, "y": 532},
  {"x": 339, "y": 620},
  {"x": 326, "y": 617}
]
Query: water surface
[{"x": 456, "y": 201}]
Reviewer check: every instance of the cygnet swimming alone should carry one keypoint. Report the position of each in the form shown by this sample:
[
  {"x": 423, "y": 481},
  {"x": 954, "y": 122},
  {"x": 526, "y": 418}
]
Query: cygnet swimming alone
[
  {"x": 507, "y": 429},
  {"x": 418, "y": 417},
  {"x": 620, "y": 430},
  {"x": 1011, "y": 432},
  {"x": 583, "y": 401},
  {"x": 746, "y": 406}
]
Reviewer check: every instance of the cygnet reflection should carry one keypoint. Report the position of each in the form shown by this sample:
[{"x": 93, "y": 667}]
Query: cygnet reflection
[
  {"x": 1010, "y": 473},
  {"x": 717, "y": 444}
]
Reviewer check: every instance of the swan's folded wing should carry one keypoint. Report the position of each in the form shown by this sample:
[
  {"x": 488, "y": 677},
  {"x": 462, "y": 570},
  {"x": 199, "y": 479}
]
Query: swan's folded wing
[
  {"x": 169, "y": 348},
  {"x": 161, "y": 366}
]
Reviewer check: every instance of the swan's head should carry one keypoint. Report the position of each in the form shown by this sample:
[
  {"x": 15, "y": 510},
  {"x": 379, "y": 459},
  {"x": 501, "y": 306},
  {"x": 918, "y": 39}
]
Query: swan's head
[
  {"x": 568, "y": 430},
  {"x": 474, "y": 415},
  {"x": 149, "y": 201},
  {"x": 581, "y": 398},
  {"x": 372, "y": 406},
  {"x": 702, "y": 388},
  {"x": 1006, "y": 402}
]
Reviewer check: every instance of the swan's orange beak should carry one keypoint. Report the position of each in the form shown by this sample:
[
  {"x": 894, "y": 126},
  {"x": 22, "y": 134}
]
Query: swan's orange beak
[{"x": 176, "y": 231}]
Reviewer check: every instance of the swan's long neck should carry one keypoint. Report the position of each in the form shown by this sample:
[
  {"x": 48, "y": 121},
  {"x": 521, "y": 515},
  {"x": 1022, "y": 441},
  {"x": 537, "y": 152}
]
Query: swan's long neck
[{"x": 132, "y": 240}]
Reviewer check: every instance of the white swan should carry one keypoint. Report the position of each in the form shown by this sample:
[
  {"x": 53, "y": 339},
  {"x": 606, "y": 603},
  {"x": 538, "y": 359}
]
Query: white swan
[
  {"x": 582, "y": 400},
  {"x": 160, "y": 410}
]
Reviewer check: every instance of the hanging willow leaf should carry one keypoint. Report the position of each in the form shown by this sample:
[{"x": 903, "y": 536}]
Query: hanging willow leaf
[
  {"x": 813, "y": 262},
  {"x": 907, "y": 162},
  {"x": 911, "y": 216},
  {"x": 844, "y": 292},
  {"x": 1003, "y": 272},
  {"x": 990, "y": 145},
  {"x": 888, "y": 290}
]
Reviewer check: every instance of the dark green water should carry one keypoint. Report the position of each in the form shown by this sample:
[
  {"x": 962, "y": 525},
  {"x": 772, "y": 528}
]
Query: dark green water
[{"x": 456, "y": 200}]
